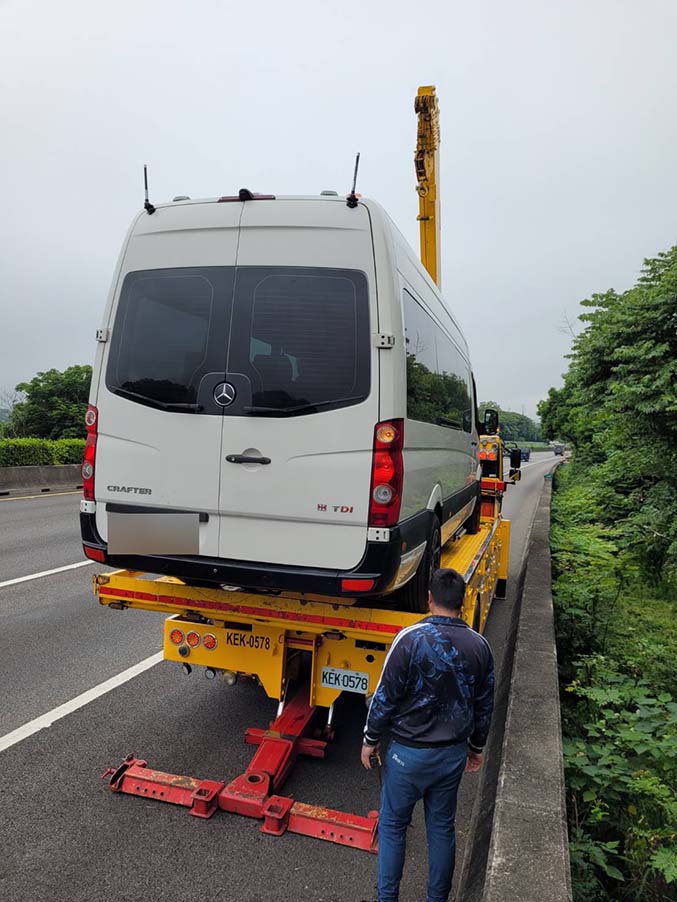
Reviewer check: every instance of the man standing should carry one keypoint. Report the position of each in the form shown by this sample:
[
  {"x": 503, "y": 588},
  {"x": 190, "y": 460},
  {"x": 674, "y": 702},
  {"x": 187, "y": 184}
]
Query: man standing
[{"x": 435, "y": 699}]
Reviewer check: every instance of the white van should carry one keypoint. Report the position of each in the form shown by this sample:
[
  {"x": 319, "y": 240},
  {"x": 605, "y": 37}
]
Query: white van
[{"x": 281, "y": 400}]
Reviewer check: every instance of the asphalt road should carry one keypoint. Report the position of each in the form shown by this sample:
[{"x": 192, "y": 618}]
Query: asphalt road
[{"x": 65, "y": 837}]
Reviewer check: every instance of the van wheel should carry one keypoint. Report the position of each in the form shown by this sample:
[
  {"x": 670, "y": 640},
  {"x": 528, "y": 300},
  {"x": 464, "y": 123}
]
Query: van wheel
[
  {"x": 472, "y": 524},
  {"x": 414, "y": 596}
]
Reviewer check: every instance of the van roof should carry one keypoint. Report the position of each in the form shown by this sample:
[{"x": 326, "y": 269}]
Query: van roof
[{"x": 233, "y": 198}]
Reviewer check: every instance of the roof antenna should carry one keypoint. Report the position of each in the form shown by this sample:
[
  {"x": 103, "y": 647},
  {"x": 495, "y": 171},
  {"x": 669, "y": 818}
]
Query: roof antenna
[
  {"x": 351, "y": 200},
  {"x": 147, "y": 205}
]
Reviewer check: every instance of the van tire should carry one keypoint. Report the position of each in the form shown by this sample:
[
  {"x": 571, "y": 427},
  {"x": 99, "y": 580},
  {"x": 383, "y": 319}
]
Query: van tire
[
  {"x": 473, "y": 523},
  {"x": 413, "y": 596}
]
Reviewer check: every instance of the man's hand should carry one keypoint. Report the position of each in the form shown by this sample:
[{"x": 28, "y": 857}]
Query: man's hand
[
  {"x": 473, "y": 762},
  {"x": 367, "y": 752}
]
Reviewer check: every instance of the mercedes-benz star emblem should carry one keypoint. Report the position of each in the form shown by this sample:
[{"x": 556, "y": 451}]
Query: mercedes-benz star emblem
[{"x": 224, "y": 394}]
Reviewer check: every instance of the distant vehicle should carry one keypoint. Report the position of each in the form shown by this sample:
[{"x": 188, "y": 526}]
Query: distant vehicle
[
  {"x": 559, "y": 449},
  {"x": 526, "y": 453}
]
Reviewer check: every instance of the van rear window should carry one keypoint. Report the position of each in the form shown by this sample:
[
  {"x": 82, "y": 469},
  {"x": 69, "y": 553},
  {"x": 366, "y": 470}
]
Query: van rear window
[
  {"x": 302, "y": 337},
  {"x": 292, "y": 340},
  {"x": 161, "y": 334}
]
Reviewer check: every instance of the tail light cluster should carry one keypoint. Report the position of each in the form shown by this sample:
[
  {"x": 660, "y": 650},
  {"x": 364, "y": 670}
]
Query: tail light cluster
[
  {"x": 88, "y": 464},
  {"x": 193, "y": 639},
  {"x": 387, "y": 474},
  {"x": 488, "y": 449}
]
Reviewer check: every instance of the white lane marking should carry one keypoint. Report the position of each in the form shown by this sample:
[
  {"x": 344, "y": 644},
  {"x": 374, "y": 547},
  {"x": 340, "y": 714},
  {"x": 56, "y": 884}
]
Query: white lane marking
[
  {"x": 25, "y": 579},
  {"x": 41, "y": 495},
  {"x": 46, "y": 720}
]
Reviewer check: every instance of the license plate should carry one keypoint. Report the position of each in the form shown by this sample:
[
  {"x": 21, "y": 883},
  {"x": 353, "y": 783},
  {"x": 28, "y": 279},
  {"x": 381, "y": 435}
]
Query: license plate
[
  {"x": 247, "y": 640},
  {"x": 348, "y": 680}
]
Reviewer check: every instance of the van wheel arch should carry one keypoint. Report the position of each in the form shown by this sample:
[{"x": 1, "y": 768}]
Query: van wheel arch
[{"x": 413, "y": 596}]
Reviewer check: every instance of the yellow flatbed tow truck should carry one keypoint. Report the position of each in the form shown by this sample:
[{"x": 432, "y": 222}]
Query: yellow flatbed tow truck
[{"x": 305, "y": 650}]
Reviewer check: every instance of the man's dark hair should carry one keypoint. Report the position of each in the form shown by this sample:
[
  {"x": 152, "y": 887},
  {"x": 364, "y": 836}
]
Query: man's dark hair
[{"x": 447, "y": 588}]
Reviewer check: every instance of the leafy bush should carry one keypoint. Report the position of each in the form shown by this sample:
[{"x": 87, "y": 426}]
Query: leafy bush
[
  {"x": 69, "y": 450},
  {"x": 25, "y": 452},
  {"x": 617, "y": 643},
  {"x": 32, "y": 452}
]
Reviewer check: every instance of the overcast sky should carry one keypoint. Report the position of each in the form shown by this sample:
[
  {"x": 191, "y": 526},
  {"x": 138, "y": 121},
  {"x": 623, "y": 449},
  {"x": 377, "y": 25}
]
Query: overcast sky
[{"x": 558, "y": 158}]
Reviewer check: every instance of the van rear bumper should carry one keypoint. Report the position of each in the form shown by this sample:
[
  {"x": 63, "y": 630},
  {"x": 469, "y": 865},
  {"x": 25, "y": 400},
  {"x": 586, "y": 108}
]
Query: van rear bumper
[{"x": 381, "y": 563}]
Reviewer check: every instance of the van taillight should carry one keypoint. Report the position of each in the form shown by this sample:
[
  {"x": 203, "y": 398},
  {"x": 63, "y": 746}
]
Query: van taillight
[
  {"x": 387, "y": 474},
  {"x": 91, "y": 422}
]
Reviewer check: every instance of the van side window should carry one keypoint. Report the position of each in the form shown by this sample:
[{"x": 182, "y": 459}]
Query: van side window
[{"x": 437, "y": 374}]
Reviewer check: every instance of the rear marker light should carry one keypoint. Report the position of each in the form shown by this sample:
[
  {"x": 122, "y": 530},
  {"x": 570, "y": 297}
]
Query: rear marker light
[
  {"x": 94, "y": 554},
  {"x": 209, "y": 641},
  {"x": 176, "y": 637},
  {"x": 356, "y": 585},
  {"x": 193, "y": 639}
]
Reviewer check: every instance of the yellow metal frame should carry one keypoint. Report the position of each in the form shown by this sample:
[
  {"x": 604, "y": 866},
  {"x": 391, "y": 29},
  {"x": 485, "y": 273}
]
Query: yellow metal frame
[
  {"x": 426, "y": 162},
  {"x": 264, "y": 635}
]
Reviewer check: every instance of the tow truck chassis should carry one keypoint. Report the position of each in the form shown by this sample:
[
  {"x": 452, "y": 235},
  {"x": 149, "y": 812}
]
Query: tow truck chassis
[{"x": 304, "y": 652}]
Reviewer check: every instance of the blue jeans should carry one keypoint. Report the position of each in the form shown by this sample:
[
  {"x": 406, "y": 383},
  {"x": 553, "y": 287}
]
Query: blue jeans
[{"x": 410, "y": 774}]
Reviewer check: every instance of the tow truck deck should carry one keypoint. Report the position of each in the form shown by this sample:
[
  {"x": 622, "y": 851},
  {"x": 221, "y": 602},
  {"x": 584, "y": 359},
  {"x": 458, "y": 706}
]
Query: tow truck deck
[{"x": 304, "y": 651}]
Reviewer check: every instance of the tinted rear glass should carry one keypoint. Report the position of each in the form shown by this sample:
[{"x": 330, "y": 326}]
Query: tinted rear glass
[
  {"x": 290, "y": 340},
  {"x": 301, "y": 337}
]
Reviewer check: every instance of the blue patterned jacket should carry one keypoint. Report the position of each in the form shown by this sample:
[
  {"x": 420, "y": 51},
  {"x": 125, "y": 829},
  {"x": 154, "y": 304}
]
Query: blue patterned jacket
[{"x": 437, "y": 687}]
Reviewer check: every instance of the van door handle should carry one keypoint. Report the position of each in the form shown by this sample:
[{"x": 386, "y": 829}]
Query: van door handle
[{"x": 245, "y": 459}]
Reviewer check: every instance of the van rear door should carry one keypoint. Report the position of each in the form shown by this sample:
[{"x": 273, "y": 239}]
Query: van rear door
[
  {"x": 301, "y": 388},
  {"x": 160, "y": 429}
]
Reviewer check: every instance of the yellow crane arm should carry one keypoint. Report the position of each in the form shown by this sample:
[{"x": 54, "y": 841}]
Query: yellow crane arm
[{"x": 426, "y": 162}]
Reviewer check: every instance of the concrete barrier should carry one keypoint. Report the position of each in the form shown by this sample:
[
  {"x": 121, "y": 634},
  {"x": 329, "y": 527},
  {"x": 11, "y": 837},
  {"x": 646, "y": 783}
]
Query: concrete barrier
[
  {"x": 529, "y": 853},
  {"x": 35, "y": 480}
]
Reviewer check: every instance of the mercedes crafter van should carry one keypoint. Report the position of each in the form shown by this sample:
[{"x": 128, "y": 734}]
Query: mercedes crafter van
[{"x": 281, "y": 400}]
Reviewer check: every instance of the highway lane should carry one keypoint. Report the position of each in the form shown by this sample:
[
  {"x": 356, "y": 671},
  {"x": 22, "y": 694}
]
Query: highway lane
[
  {"x": 56, "y": 641},
  {"x": 38, "y": 534},
  {"x": 71, "y": 839}
]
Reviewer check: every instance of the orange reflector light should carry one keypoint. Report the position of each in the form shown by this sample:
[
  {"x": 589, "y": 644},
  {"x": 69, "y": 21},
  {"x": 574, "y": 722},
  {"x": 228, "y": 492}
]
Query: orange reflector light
[
  {"x": 94, "y": 554},
  {"x": 386, "y": 433},
  {"x": 356, "y": 585},
  {"x": 209, "y": 641},
  {"x": 193, "y": 639},
  {"x": 176, "y": 637}
]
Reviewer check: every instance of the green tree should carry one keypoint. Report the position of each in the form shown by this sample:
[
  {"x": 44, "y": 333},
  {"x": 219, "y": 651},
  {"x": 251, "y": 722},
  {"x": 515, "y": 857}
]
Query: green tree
[
  {"x": 614, "y": 541},
  {"x": 515, "y": 427},
  {"x": 618, "y": 407},
  {"x": 53, "y": 406}
]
